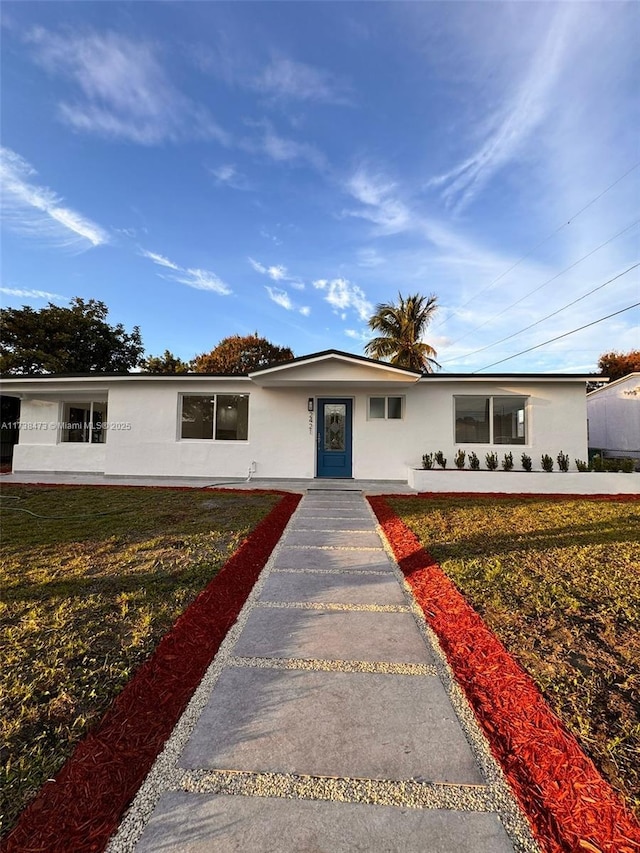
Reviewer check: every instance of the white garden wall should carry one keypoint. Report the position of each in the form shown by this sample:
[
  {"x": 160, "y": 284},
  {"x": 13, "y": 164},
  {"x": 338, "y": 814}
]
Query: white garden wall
[{"x": 519, "y": 482}]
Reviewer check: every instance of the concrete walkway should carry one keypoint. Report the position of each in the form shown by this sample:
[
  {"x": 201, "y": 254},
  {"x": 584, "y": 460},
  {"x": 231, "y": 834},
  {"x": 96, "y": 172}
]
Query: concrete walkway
[{"x": 328, "y": 720}]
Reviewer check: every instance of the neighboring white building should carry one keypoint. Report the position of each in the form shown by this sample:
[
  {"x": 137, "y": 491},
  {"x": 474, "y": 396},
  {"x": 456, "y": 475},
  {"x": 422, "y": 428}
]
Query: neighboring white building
[
  {"x": 329, "y": 414},
  {"x": 614, "y": 417}
]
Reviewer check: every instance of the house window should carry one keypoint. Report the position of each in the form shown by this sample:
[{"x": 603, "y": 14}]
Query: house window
[
  {"x": 84, "y": 423},
  {"x": 385, "y": 408},
  {"x": 490, "y": 420},
  {"x": 225, "y": 416}
]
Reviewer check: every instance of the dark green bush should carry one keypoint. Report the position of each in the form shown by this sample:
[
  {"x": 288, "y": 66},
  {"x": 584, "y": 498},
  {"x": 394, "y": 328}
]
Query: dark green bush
[
  {"x": 563, "y": 461},
  {"x": 474, "y": 462},
  {"x": 427, "y": 461},
  {"x": 440, "y": 459},
  {"x": 459, "y": 459},
  {"x": 526, "y": 462},
  {"x": 547, "y": 462},
  {"x": 507, "y": 462},
  {"x": 492, "y": 461}
]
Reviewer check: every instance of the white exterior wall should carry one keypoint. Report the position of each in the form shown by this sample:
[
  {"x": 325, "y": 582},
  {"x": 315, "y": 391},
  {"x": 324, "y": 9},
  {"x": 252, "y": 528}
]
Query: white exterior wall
[
  {"x": 282, "y": 435},
  {"x": 614, "y": 416},
  {"x": 40, "y": 448},
  {"x": 555, "y": 420}
]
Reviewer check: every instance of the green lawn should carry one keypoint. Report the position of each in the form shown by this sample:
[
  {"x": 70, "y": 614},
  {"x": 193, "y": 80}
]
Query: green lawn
[
  {"x": 559, "y": 583},
  {"x": 86, "y": 598}
]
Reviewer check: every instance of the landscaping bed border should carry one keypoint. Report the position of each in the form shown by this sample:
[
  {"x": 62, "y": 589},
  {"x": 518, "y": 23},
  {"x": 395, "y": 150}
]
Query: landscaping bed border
[
  {"x": 81, "y": 808},
  {"x": 570, "y": 807}
]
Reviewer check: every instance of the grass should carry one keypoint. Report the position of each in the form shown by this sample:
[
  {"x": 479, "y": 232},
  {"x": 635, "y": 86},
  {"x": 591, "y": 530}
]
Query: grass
[
  {"x": 559, "y": 583},
  {"x": 87, "y": 597}
]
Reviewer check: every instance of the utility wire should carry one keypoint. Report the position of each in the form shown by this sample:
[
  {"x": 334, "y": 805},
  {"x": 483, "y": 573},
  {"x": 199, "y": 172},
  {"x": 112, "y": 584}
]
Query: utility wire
[
  {"x": 537, "y": 246},
  {"x": 548, "y": 281},
  {"x": 542, "y": 319},
  {"x": 558, "y": 337}
]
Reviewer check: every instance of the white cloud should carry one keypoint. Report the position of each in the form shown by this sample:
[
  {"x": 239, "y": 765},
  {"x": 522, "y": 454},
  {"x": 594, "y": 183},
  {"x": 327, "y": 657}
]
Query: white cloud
[
  {"x": 159, "y": 259},
  {"x": 197, "y": 278},
  {"x": 229, "y": 176},
  {"x": 305, "y": 310},
  {"x": 380, "y": 203},
  {"x": 277, "y": 272},
  {"x": 341, "y": 294},
  {"x": 282, "y": 149},
  {"x": 32, "y": 294},
  {"x": 287, "y": 79},
  {"x": 362, "y": 336},
  {"x": 510, "y": 127},
  {"x": 369, "y": 258},
  {"x": 280, "y": 297},
  {"x": 36, "y": 211},
  {"x": 204, "y": 280},
  {"x": 123, "y": 90}
]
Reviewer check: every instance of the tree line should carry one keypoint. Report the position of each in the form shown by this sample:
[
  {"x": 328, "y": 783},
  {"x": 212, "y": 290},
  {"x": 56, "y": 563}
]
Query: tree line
[{"x": 79, "y": 339}]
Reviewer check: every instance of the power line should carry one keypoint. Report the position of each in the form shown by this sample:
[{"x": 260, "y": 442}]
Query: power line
[
  {"x": 545, "y": 283},
  {"x": 558, "y": 337},
  {"x": 541, "y": 243},
  {"x": 542, "y": 319}
]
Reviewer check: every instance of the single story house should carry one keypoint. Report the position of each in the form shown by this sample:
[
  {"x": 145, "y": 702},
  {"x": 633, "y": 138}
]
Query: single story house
[
  {"x": 328, "y": 414},
  {"x": 613, "y": 413}
]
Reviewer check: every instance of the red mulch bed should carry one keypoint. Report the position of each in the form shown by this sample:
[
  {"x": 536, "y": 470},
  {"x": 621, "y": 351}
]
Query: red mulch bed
[
  {"x": 79, "y": 810},
  {"x": 569, "y": 805}
]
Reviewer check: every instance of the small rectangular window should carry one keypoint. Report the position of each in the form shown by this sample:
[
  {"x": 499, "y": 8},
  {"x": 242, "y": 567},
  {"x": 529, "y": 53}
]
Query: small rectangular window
[
  {"x": 385, "y": 408},
  {"x": 84, "y": 423},
  {"x": 377, "y": 407}
]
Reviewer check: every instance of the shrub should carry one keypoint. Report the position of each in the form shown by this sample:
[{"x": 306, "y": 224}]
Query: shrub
[
  {"x": 460, "y": 459},
  {"x": 582, "y": 466},
  {"x": 547, "y": 462},
  {"x": 440, "y": 459},
  {"x": 526, "y": 462},
  {"x": 627, "y": 465},
  {"x": 563, "y": 461},
  {"x": 427, "y": 461},
  {"x": 597, "y": 463},
  {"x": 474, "y": 462},
  {"x": 507, "y": 462},
  {"x": 492, "y": 461}
]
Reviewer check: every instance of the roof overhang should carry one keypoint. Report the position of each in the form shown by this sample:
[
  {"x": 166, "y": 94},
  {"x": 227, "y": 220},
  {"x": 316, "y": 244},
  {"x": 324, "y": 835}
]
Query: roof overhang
[{"x": 333, "y": 368}]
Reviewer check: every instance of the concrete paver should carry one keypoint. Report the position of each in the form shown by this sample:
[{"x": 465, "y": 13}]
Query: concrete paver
[
  {"x": 325, "y": 558},
  {"x": 339, "y": 539},
  {"x": 326, "y": 525},
  {"x": 273, "y": 825},
  {"x": 280, "y": 632},
  {"x": 367, "y": 725},
  {"x": 329, "y": 588}
]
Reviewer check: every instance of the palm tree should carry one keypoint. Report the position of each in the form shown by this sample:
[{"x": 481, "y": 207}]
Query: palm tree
[{"x": 402, "y": 326}]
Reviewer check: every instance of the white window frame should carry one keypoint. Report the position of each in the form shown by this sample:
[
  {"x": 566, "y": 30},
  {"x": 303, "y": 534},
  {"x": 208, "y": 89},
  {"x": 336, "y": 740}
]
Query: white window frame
[
  {"x": 491, "y": 442},
  {"x": 86, "y": 406},
  {"x": 386, "y": 398},
  {"x": 213, "y": 439}
]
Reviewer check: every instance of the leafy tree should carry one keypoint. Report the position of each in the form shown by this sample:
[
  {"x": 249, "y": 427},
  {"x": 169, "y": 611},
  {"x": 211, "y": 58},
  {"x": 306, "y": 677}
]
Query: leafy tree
[
  {"x": 615, "y": 365},
  {"x": 166, "y": 363},
  {"x": 402, "y": 326},
  {"x": 241, "y": 354},
  {"x": 66, "y": 340}
]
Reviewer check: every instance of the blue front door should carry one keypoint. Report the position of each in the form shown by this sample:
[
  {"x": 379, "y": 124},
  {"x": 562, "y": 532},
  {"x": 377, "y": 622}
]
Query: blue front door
[{"x": 333, "y": 437}]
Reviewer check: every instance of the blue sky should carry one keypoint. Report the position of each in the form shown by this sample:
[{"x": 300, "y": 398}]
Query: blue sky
[{"x": 211, "y": 168}]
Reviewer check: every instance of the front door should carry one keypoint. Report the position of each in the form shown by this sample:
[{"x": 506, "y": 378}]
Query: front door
[{"x": 333, "y": 437}]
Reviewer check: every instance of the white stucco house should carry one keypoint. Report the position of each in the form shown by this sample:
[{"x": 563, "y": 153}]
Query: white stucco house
[
  {"x": 613, "y": 413},
  {"x": 328, "y": 414}
]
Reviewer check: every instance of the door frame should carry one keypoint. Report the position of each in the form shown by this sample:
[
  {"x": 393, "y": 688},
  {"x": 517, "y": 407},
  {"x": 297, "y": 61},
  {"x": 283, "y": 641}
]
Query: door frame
[{"x": 319, "y": 430}]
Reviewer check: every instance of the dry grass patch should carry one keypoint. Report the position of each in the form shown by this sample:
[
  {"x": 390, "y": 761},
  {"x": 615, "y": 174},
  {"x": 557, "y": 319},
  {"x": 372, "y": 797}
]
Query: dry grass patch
[
  {"x": 559, "y": 583},
  {"x": 86, "y": 598}
]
